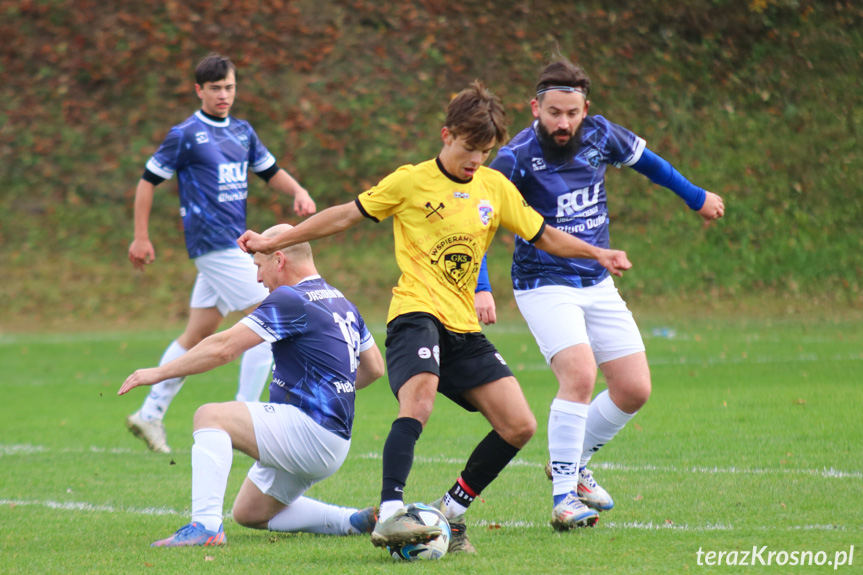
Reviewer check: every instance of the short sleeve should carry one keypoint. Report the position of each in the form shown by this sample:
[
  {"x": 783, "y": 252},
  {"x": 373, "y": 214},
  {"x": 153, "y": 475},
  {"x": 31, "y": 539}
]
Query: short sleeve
[
  {"x": 166, "y": 161},
  {"x": 384, "y": 199},
  {"x": 260, "y": 159},
  {"x": 366, "y": 339},
  {"x": 516, "y": 214},
  {"x": 280, "y": 316}
]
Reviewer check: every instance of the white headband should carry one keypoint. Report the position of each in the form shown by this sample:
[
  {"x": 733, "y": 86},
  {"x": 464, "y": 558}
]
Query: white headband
[{"x": 562, "y": 89}]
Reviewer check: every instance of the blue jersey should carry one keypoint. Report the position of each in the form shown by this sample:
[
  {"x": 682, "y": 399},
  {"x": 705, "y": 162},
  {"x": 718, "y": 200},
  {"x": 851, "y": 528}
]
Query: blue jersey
[
  {"x": 211, "y": 160},
  {"x": 570, "y": 196},
  {"x": 317, "y": 336}
]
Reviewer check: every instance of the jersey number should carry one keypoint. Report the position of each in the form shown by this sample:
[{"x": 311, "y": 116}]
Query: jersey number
[{"x": 352, "y": 336}]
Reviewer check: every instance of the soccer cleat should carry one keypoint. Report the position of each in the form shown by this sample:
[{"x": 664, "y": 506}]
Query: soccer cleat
[
  {"x": 364, "y": 520},
  {"x": 193, "y": 535},
  {"x": 571, "y": 513},
  {"x": 591, "y": 493},
  {"x": 458, "y": 543},
  {"x": 152, "y": 432},
  {"x": 402, "y": 529}
]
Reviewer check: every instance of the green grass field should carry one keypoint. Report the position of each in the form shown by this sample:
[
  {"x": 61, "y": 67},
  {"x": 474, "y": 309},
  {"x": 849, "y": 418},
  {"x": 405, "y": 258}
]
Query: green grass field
[{"x": 752, "y": 437}]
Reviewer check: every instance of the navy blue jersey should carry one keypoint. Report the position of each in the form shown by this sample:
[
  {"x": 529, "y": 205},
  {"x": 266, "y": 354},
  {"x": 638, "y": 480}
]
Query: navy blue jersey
[
  {"x": 211, "y": 160},
  {"x": 317, "y": 336},
  {"x": 570, "y": 196}
]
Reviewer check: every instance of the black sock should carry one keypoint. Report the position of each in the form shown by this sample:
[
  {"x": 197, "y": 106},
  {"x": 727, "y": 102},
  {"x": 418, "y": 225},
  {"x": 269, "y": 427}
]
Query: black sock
[
  {"x": 483, "y": 466},
  {"x": 399, "y": 457}
]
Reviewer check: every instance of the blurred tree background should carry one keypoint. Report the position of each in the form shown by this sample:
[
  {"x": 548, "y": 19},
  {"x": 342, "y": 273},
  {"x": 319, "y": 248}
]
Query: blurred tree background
[{"x": 757, "y": 100}]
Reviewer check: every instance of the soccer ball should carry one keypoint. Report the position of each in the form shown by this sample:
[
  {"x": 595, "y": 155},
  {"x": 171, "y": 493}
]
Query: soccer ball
[{"x": 434, "y": 549}]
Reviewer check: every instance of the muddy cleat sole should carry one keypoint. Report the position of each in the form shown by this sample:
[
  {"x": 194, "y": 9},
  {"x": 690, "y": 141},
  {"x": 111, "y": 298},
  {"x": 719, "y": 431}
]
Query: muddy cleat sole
[
  {"x": 571, "y": 513},
  {"x": 402, "y": 528},
  {"x": 458, "y": 543},
  {"x": 151, "y": 432},
  {"x": 193, "y": 535},
  {"x": 364, "y": 520},
  {"x": 591, "y": 493}
]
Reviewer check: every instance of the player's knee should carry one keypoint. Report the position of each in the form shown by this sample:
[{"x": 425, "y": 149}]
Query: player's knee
[
  {"x": 246, "y": 517},
  {"x": 206, "y": 416},
  {"x": 632, "y": 397},
  {"x": 520, "y": 431}
]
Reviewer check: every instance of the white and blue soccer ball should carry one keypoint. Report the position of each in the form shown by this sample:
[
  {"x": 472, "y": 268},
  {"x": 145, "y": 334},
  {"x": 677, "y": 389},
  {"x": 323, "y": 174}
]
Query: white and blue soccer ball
[{"x": 434, "y": 549}]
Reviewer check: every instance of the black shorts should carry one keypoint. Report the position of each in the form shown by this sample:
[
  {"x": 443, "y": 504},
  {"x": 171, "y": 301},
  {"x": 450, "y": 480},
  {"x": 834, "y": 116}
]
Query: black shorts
[{"x": 418, "y": 342}]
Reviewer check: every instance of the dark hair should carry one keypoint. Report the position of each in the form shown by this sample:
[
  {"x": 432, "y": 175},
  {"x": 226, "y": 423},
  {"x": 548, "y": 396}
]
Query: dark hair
[
  {"x": 477, "y": 115},
  {"x": 562, "y": 72},
  {"x": 214, "y": 68}
]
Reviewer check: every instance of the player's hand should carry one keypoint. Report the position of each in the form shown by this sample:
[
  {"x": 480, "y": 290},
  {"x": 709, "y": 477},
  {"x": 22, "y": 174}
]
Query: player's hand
[
  {"x": 253, "y": 242},
  {"x": 713, "y": 208},
  {"x": 614, "y": 261},
  {"x": 304, "y": 205},
  {"x": 140, "y": 377},
  {"x": 483, "y": 303},
  {"x": 141, "y": 253}
]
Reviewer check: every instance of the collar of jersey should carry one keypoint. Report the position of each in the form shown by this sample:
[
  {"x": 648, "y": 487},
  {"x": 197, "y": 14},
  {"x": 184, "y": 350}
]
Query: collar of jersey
[
  {"x": 448, "y": 175},
  {"x": 223, "y": 124},
  {"x": 309, "y": 278}
]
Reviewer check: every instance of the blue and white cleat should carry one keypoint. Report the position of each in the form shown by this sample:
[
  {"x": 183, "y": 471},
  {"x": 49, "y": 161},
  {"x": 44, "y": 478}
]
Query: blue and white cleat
[
  {"x": 571, "y": 513},
  {"x": 193, "y": 535},
  {"x": 591, "y": 493},
  {"x": 364, "y": 520}
]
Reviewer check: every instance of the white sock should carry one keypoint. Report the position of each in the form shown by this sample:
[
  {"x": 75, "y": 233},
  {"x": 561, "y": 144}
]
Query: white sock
[
  {"x": 453, "y": 507},
  {"x": 603, "y": 422},
  {"x": 389, "y": 508},
  {"x": 254, "y": 372},
  {"x": 162, "y": 394},
  {"x": 566, "y": 423},
  {"x": 308, "y": 515},
  {"x": 212, "y": 455}
]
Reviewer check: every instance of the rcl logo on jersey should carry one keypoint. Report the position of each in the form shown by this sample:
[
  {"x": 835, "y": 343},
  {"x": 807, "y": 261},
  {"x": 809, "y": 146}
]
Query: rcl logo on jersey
[
  {"x": 233, "y": 172},
  {"x": 576, "y": 201}
]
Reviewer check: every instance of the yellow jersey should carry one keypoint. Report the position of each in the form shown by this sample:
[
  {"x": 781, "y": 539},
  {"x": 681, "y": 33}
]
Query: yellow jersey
[{"x": 442, "y": 228}]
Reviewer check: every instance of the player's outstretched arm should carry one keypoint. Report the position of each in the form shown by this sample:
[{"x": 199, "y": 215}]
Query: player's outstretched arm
[
  {"x": 326, "y": 223},
  {"x": 283, "y": 182},
  {"x": 218, "y": 349},
  {"x": 371, "y": 366},
  {"x": 141, "y": 250},
  {"x": 713, "y": 208},
  {"x": 564, "y": 245}
]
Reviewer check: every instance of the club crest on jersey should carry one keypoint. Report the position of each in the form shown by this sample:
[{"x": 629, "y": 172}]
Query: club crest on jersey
[
  {"x": 454, "y": 256},
  {"x": 537, "y": 164},
  {"x": 244, "y": 140},
  {"x": 201, "y": 138},
  {"x": 486, "y": 211},
  {"x": 593, "y": 157}
]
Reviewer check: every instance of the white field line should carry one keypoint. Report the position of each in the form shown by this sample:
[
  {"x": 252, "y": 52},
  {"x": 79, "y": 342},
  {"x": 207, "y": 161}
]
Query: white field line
[
  {"x": 827, "y": 472},
  {"x": 701, "y": 360},
  {"x": 83, "y": 506},
  {"x": 614, "y": 525}
]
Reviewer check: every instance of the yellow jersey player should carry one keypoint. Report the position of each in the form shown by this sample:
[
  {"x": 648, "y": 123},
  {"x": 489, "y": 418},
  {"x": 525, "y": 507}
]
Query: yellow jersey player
[{"x": 445, "y": 212}]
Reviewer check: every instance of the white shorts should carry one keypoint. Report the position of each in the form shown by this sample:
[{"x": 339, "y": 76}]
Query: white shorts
[
  {"x": 560, "y": 317},
  {"x": 294, "y": 452},
  {"x": 227, "y": 280}
]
